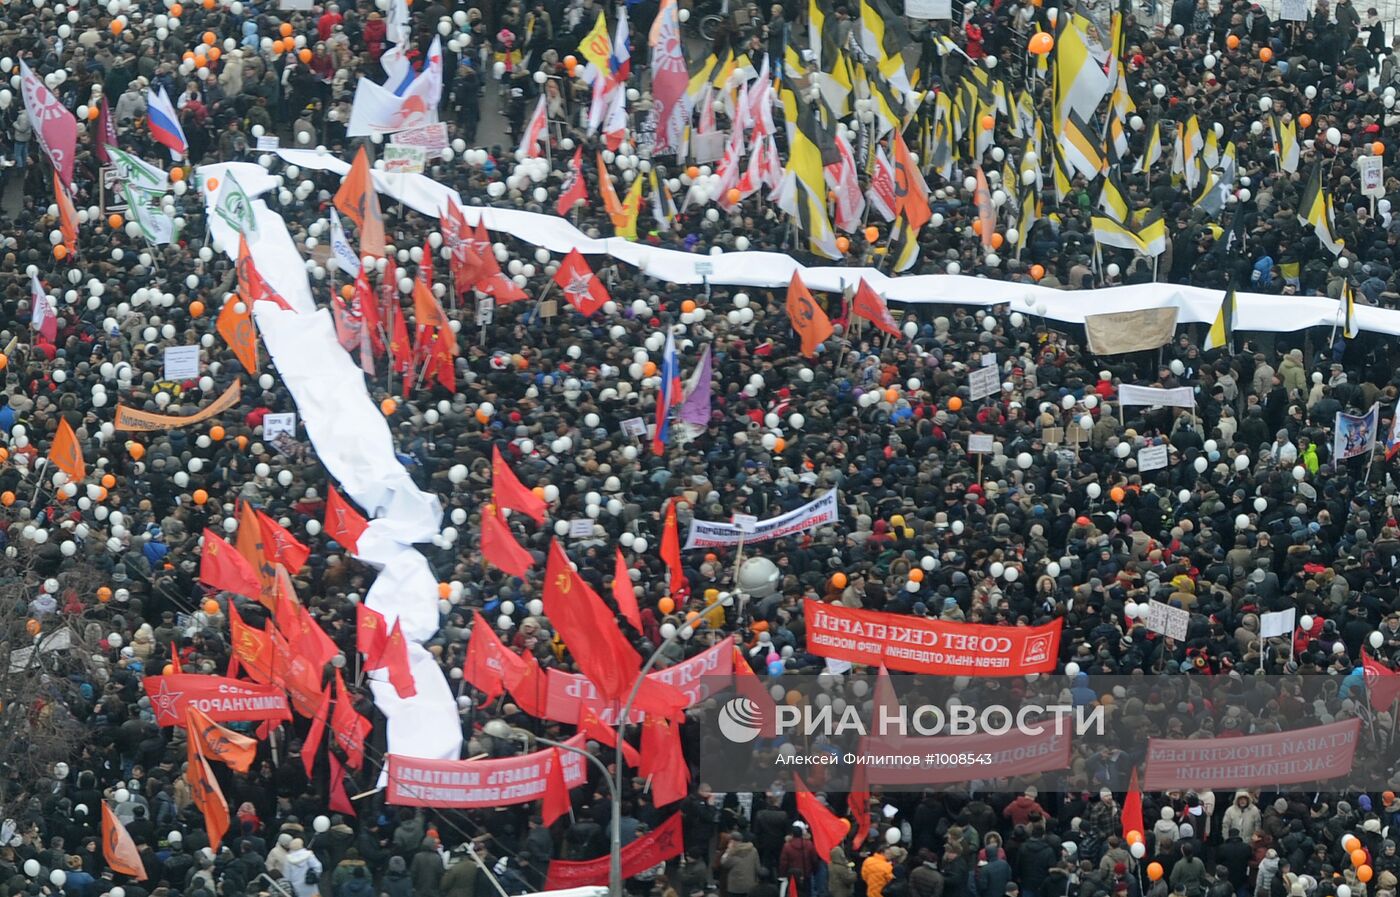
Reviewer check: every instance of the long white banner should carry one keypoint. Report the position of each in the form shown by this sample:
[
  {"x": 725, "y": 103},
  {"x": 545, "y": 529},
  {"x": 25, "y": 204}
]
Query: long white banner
[
  {"x": 711, "y": 534},
  {"x": 1179, "y": 397}
]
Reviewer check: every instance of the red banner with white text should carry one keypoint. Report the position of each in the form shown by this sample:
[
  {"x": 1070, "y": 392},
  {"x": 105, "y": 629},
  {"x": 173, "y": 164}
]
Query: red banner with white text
[
  {"x": 1314, "y": 754},
  {"x": 415, "y": 782},
  {"x": 922, "y": 645},
  {"x": 218, "y": 697},
  {"x": 694, "y": 677},
  {"x": 655, "y": 847}
]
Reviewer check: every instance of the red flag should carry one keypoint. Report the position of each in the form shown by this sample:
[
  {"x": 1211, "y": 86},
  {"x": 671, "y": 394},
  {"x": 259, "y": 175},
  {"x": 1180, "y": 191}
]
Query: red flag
[
  {"x": 911, "y": 193},
  {"x": 340, "y": 801},
  {"x": 1382, "y": 683},
  {"x": 67, "y": 216},
  {"x": 526, "y": 683},
  {"x": 624, "y": 594},
  {"x": 871, "y": 306},
  {"x": 280, "y": 546},
  {"x": 427, "y": 310},
  {"x": 218, "y": 743},
  {"x": 236, "y": 327},
  {"x": 251, "y": 647},
  {"x": 465, "y": 258},
  {"x": 312, "y": 745},
  {"x": 663, "y": 761},
  {"x": 828, "y": 829},
  {"x": 394, "y": 657},
  {"x": 747, "y": 683},
  {"x": 584, "y": 623},
  {"x": 581, "y": 286},
  {"x": 370, "y": 631},
  {"x": 1131, "y": 814},
  {"x": 359, "y": 201},
  {"x": 251, "y": 284},
  {"x": 671, "y": 554},
  {"x": 296, "y": 623},
  {"x": 117, "y": 847},
  {"x": 221, "y": 566},
  {"x": 594, "y": 728},
  {"x": 498, "y": 545},
  {"x": 343, "y": 523},
  {"x": 251, "y": 546},
  {"x": 508, "y": 492},
  {"x": 350, "y": 729},
  {"x": 487, "y": 660},
  {"x": 175, "y": 659},
  {"x": 205, "y": 792},
  {"x": 298, "y": 676},
  {"x": 556, "y": 792},
  {"x": 986, "y": 214},
  {"x": 858, "y": 805},
  {"x": 367, "y": 303},
  {"x": 806, "y": 316},
  {"x": 575, "y": 189},
  {"x": 491, "y": 281},
  {"x": 106, "y": 134}
]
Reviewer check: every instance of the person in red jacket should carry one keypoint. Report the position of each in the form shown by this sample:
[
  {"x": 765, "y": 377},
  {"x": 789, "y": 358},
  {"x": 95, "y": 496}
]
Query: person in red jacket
[
  {"x": 798, "y": 862},
  {"x": 375, "y": 33}
]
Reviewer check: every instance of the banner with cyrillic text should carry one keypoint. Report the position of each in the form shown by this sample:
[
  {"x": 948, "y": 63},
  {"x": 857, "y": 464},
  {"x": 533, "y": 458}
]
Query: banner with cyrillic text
[
  {"x": 218, "y": 697},
  {"x": 922, "y": 645},
  {"x": 643, "y": 853},
  {"x": 415, "y": 782},
  {"x": 1177, "y": 397},
  {"x": 713, "y": 534},
  {"x": 694, "y": 677},
  {"x": 1283, "y": 758}
]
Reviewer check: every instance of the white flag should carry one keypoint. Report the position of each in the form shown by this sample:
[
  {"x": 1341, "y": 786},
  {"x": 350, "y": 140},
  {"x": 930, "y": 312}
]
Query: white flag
[{"x": 342, "y": 253}]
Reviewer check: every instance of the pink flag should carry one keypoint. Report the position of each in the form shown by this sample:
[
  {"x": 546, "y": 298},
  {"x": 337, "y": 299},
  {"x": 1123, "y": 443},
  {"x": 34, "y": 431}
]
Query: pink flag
[
  {"x": 841, "y": 178},
  {"x": 535, "y": 130},
  {"x": 54, "y": 126},
  {"x": 669, "y": 79},
  {"x": 106, "y": 133}
]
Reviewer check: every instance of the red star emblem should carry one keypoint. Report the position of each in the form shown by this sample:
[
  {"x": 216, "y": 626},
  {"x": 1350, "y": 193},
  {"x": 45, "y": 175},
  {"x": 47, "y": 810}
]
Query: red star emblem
[
  {"x": 164, "y": 702},
  {"x": 578, "y": 288}
]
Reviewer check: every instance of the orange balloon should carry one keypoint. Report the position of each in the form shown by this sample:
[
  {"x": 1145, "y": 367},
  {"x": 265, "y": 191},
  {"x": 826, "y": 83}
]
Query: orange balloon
[
  {"x": 977, "y": 226},
  {"x": 843, "y": 245},
  {"x": 115, "y": 221},
  {"x": 779, "y": 445},
  {"x": 1364, "y": 873},
  {"x": 208, "y": 4},
  {"x": 211, "y": 607},
  {"x": 93, "y": 112},
  {"x": 693, "y": 172},
  {"x": 109, "y": 481},
  {"x": 32, "y": 626},
  {"x": 388, "y": 406},
  {"x": 482, "y": 417},
  {"x": 649, "y": 369},
  {"x": 1265, "y": 54},
  {"x": 304, "y": 55},
  {"x": 688, "y": 305},
  {"x": 1350, "y": 843},
  {"x": 988, "y": 122},
  {"x": 538, "y": 492},
  {"x": 1233, "y": 42},
  {"x": 4, "y": 452},
  {"x": 891, "y": 396},
  {"x": 872, "y": 234},
  {"x": 1305, "y": 120},
  {"x": 666, "y": 605},
  {"x": 214, "y": 54},
  {"x": 177, "y": 174},
  {"x": 196, "y": 309},
  {"x": 277, "y": 47},
  {"x": 168, "y": 669},
  {"x": 1134, "y": 836},
  {"x": 997, "y": 240},
  {"x": 177, "y": 10},
  {"x": 117, "y": 26},
  {"x": 1037, "y": 272},
  {"x": 7, "y": 499},
  {"x": 136, "y": 450},
  {"x": 839, "y": 580},
  {"x": 1041, "y": 43},
  {"x": 444, "y": 589},
  {"x": 1358, "y": 858},
  {"x": 200, "y": 496},
  {"x": 242, "y": 443},
  {"x": 216, "y": 433},
  {"x": 570, "y": 64},
  {"x": 210, "y": 37},
  {"x": 285, "y": 29},
  {"x": 916, "y": 575},
  {"x": 1117, "y": 494},
  {"x": 1154, "y": 870},
  {"x": 104, "y": 594},
  {"x": 60, "y": 252},
  {"x": 955, "y": 404},
  {"x": 1378, "y": 148},
  {"x": 4, "y": 363}
]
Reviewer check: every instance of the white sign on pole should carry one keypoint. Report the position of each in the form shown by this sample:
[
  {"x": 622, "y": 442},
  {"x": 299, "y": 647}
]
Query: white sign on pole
[
  {"x": 928, "y": 9},
  {"x": 1293, "y": 10},
  {"x": 981, "y": 444},
  {"x": 1372, "y": 175},
  {"x": 635, "y": 427},
  {"x": 582, "y": 528},
  {"x": 181, "y": 362},
  {"x": 269, "y": 143},
  {"x": 1278, "y": 623},
  {"x": 1153, "y": 457},
  {"x": 485, "y": 311},
  {"x": 983, "y": 382},
  {"x": 1167, "y": 620},
  {"x": 747, "y": 523},
  {"x": 275, "y": 425}
]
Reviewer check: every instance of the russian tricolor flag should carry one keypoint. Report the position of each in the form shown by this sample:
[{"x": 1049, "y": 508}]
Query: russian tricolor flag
[
  {"x": 165, "y": 124},
  {"x": 671, "y": 395}
]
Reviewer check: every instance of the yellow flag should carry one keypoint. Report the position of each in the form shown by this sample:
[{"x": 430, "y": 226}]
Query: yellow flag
[
  {"x": 596, "y": 46},
  {"x": 626, "y": 223}
]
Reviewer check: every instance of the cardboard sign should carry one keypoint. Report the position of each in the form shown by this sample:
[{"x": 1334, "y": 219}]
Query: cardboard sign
[
  {"x": 1053, "y": 435},
  {"x": 405, "y": 159},
  {"x": 983, "y": 382},
  {"x": 269, "y": 143},
  {"x": 181, "y": 362},
  {"x": 549, "y": 308},
  {"x": 635, "y": 427},
  {"x": 1167, "y": 620},
  {"x": 582, "y": 528},
  {"x": 981, "y": 444},
  {"x": 276, "y": 424},
  {"x": 1076, "y": 435},
  {"x": 1154, "y": 457}
]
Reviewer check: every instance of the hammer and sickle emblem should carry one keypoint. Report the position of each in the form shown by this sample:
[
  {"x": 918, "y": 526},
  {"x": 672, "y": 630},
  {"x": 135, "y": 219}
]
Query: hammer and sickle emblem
[
  {"x": 805, "y": 310},
  {"x": 563, "y": 583}
]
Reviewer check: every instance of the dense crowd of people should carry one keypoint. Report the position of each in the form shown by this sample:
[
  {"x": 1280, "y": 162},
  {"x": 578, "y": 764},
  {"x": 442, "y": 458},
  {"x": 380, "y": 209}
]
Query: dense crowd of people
[{"x": 883, "y": 419}]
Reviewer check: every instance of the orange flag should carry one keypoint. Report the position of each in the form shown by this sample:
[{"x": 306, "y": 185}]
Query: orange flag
[
  {"x": 611, "y": 204},
  {"x": 66, "y": 454},
  {"x": 807, "y": 317},
  {"x": 910, "y": 191},
  {"x": 218, "y": 743},
  {"x": 986, "y": 215},
  {"x": 117, "y": 847},
  {"x": 250, "y": 544},
  {"x": 357, "y": 200},
  {"x": 67, "y": 215},
  {"x": 427, "y": 311},
  {"x": 237, "y": 330},
  {"x": 204, "y": 790}
]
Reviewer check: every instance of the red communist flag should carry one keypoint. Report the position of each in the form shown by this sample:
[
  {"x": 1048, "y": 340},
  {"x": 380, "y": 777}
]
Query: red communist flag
[
  {"x": 1382, "y": 683},
  {"x": 280, "y": 546},
  {"x": 870, "y": 305},
  {"x": 527, "y": 684},
  {"x": 671, "y": 554},
  {"x": 828, "y": 829},
  {"x": 581, "y": 286},
  {"x": 1132, "y": 807},
  {"x": 487, "y": 659},
  {"x": 370, "y": 631},
  {"x": 663, "y": 762},
  {"x": 343, "y": 523},
  {"x": 205, "y": 792},
  {"x": 498, "y": 545},
  {"x": 588, "y": 629},
  {"x": 349, "y": 727},
  {"x": 574, "y": 189},
  {"x": 117, "y": 847},
  {"x": 221, "y": 566},
  {"x": 393, "y": 657},
  {"x": 556, "y": 791},
  {"x": 251, "y": 647},
  {"x": 490, "y": 280},
  {"x": 624, "y": 594},
  {"x": 595, "y": 729},
  {"x": 312, "y": 745},
  {"x": 219, "y": 743},
  {"x": 509, "y": 492}
]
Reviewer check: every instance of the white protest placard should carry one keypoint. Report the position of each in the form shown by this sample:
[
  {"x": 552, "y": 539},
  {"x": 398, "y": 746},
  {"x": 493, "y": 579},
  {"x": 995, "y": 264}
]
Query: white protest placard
[
  {"x": 485, "y": 310},
  {"x": 431, "y": 138},
  {"x": 928, "y": 9},
  {"x": 989, "y": 359},
  {"x": 708, "y": 147},
  {"x": 405, "y": 159},
  {"x": 1372, "y": 174},
  {"x": 275, "y": 425},
  {"x": 635, "y": 427},
  {"x": 269, "y": 143},
  {"x": 981, "y": 444},
  {"x": 1153, "y": 457},
  {"x": 1167, "y": 620},
  {"x": 983, "y": 382},
  {"x": 746, "y": 523},
  {"x": 582, "y": 528},
  {"x": 1179, "y": 397},
  {"x": 1278, "y": 623},
  {"x": 1293, "y": 10},
  {"x": 704, "y": 268},
  {"x": 181, "y": 362}
]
